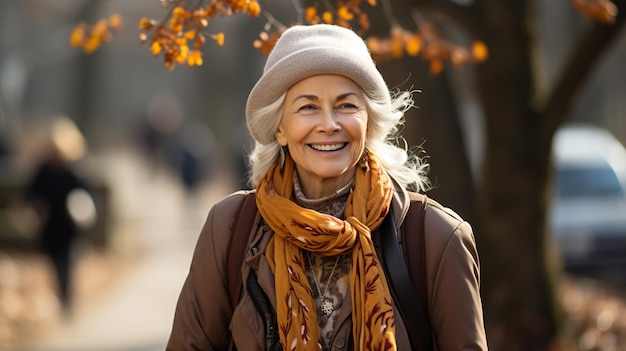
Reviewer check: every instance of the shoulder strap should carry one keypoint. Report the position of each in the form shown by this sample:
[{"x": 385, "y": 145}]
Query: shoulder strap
[
  {"x": 413, "y": 244},
  {"x": 408, "y": 287},
  {"x": 244, "y": 220}
]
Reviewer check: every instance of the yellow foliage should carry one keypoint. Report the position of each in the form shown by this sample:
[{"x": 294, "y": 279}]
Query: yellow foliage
[
  {"x": 327, "y": 17},
  {"x": 179, "y": 11},
  {"x": 219, "y": 38},
  {"x": 254, "y": 9},
  {"x": 182, "y": 41},
  {"x": 267, "y": 41},
  {"x": 182, "y": 54},
  {"x": 211, "y": 10},
  {"x": 115, "y": 21},
  {"x": 480, "y": 52},
  {"x": 78, "y": 35},
  {"x": 199, "y": 42},
  {"x": 428, "y": 45},
  {"x": 100, "y": 28},
  {"x": 146, "y": 24},
  {"x": 156, "y": 48},
  {"x": 190, "y": 34},
  {"x": 171, "y": 36},
  {"x": 413, "y": 45},
  {"x": 186, "y": 22},
  {"x": 397, "y": 47},
  {"x": 436, "y": 66},
  {"x": 90, "y": 38},
  {"x": 176, "y": 25},
  {"x": 310, "y": 15},
  {"x": 195, "y": 58},
  {"x": 92, "y": 44},
  {"x": 344, "y": 13},
  {"x": 603, "y": 11}
]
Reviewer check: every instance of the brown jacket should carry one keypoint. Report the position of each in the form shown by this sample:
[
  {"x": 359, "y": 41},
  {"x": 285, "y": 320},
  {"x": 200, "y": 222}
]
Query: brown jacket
[{"x": 204, "y": 319}]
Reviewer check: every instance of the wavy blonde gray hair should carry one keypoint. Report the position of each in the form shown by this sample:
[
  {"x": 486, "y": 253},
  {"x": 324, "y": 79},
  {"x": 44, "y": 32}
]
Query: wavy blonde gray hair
[{"x": 383, "y": 139}]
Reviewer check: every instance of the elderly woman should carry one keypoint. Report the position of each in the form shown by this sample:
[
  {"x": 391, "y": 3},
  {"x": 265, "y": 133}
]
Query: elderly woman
[{"x": 326, "y": 175}]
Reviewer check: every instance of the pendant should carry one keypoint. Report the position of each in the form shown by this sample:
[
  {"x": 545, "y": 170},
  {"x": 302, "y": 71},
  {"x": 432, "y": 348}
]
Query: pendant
[{"x": 327, "y": 306}]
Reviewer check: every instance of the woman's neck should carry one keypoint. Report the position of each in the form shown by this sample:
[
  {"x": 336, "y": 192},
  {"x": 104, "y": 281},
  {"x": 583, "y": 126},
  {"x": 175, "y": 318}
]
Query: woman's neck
[
  {"x": 321, "y": 201},
  {"x": 322, "y": 188}
]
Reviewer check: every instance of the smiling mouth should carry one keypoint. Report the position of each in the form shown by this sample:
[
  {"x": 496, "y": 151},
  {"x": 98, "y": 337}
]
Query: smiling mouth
[{"x": 332, "y": 147}]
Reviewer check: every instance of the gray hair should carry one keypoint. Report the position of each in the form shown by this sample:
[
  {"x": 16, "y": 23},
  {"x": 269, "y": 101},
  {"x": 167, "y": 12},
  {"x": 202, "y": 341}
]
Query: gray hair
[{"x": 383, "y": 139}]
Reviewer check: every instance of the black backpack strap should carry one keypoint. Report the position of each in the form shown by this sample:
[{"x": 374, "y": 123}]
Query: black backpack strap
[
  {"x": 244, "y": 220},
  {"x": 401, "y": 282},
  {"x": 237, "y": 245},
  {"x": 414, "y": 246}
]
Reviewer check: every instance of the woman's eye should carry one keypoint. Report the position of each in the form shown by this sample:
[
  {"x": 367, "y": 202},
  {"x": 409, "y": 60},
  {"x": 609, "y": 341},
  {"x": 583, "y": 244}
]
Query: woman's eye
[
  {"x": 307, "y": 108},
  {"x": 347, "y": 106}
]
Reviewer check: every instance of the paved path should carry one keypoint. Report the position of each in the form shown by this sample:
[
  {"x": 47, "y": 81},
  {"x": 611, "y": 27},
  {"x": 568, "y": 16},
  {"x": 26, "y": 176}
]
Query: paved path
[
  {"x": 157, "y": 219},
  {"x": 136, "y": 315}
]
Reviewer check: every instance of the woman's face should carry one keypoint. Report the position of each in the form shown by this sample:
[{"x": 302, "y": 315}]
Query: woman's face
[{"x": 324, "y": 124}]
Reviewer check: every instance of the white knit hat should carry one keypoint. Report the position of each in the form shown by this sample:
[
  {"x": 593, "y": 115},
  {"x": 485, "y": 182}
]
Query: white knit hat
[{"x": 305, "y": 51}]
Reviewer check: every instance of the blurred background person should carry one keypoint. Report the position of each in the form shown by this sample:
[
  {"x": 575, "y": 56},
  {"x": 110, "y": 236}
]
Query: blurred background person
[
  {"x": 184, "y": 147},
  {"x": 61, "y": 201},
  {"x": 157, "y": 132}
]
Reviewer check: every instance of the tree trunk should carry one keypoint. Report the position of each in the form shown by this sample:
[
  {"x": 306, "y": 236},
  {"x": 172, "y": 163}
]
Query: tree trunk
[
  {"x": 518, "y": 282},
  {"x": 511, "y": 198}
]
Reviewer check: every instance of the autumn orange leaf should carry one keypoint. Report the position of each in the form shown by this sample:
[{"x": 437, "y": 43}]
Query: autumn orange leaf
[
  {"x": 219, "y": 38},
  {"x": 156, "y": 48},
  {"x": 199, "y": 42},
  {"x": 436, "y": 66},
  {"x": 78, "y": 35},
  {"x": 90, "y": 38},
  {"x": 603, "y": 11},
  {"x": 115, "y": 21},
  {"x": 480, "y": 52},
  {"x": 254, "y": 9},
  {"x": 413, "y": 46},
  {"x": 92, "y": 44},
  {"x": 397, "y": 47},
  {"x": 179, "y": 11},
  {"x": 182, "y": 54},
  {"x": 344, "y": 13},
  {"x": 146, "y": 24},
  {"x": 310, "y": 15},
  {"x": 190, "y": 34},
  {"x": 195, "y": 58},
  {"x": 327, "y": 17}
]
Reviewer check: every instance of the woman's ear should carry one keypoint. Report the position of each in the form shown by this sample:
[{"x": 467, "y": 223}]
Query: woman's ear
[{"x": 280, "y": 136}]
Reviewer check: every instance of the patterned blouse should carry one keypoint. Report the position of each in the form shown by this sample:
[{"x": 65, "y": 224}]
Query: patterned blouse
[{"x": 319, "y": 268}]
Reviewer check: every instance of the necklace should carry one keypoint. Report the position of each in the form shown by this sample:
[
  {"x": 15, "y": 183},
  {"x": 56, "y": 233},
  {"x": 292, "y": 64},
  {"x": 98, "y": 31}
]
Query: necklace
[{"x": 327, "y": 304}]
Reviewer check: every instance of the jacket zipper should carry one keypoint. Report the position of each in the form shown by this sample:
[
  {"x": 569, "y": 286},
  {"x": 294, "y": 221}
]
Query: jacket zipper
[{"x": 264, "y": 308}]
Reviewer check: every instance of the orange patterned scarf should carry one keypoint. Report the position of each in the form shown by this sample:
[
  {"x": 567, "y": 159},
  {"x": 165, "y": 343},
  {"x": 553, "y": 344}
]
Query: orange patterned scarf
[{"x": 299, "y": 228}]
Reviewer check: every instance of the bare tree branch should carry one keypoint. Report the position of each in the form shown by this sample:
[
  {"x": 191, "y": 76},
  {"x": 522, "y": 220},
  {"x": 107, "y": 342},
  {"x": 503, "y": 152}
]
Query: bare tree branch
[
  {"x": 590, "y": 49},
  {"x": 465, "y": 16}
]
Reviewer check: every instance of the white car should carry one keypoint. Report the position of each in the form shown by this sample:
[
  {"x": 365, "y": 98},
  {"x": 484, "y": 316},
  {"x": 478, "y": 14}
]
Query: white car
[{"x": 588, "y": 211}]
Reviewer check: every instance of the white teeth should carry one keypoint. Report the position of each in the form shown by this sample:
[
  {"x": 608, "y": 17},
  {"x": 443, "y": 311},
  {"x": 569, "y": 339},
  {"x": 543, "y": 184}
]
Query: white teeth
[{"x": 327, "y": 147}]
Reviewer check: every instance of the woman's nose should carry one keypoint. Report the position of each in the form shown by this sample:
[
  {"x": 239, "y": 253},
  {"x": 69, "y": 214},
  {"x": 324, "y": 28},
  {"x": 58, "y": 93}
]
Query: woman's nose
[{"x": 328, "y": 122}]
